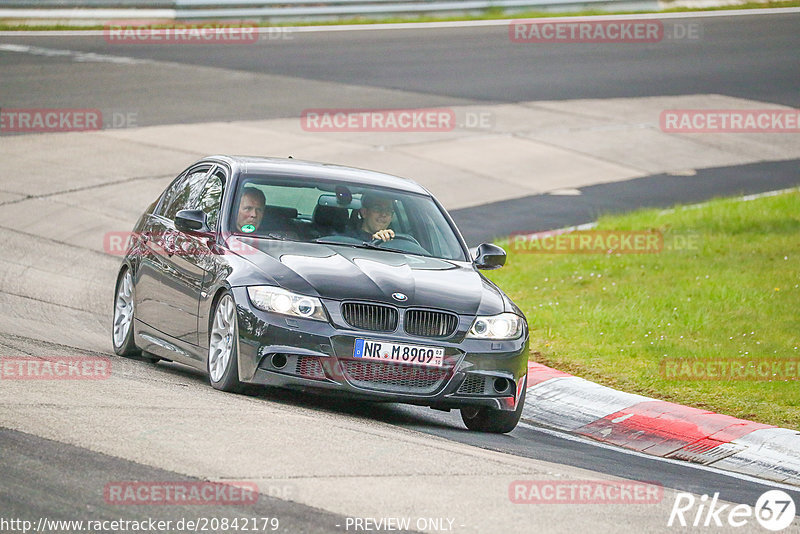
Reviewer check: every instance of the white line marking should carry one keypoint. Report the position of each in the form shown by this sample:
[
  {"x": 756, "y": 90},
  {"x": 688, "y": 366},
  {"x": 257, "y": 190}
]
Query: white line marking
[
  {"x": 89, "y": 14},
  {"x": 564, "y": 192},
  {"x": 80, "y": 57},
  {"x": 710, "y": 469},
  {"x": 745, "y": 198},
  {"x": 459, "y": 23}
]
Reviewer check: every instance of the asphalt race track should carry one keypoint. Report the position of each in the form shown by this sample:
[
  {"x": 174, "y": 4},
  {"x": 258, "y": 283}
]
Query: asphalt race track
[
  {"x": 751, "y": 57},
  {"x": 319, "y": 463}
]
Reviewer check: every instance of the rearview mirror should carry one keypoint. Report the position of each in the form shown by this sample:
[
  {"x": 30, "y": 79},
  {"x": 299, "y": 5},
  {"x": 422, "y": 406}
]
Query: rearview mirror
[{"x": 488, "y": 257}]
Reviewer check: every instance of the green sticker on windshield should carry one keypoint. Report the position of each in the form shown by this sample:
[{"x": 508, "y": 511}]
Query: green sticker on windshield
[{"x": 248, "y": 228}]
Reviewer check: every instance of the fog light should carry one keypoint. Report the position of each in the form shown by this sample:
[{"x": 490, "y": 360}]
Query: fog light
[
  {"x": 279, "y": 361},
  {"x": 501, "y": 385}
]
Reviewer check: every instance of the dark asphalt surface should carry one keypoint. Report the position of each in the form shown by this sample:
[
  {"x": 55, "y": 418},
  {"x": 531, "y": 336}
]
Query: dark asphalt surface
[
  {"x": 753, "y": 57},
  {"x": 45, "y": 478},
  {"x": 546, "y": 212},
  {"x": 530, "y": 442},
  {"x": 749, "y": 57},
  {"x": 42, "y": 478}
]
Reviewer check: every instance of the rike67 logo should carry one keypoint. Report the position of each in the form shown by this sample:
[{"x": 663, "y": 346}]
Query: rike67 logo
[{"x": 774, "y": 510}]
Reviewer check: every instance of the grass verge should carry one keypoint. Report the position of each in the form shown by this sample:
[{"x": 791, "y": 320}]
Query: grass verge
[
  {"x": 489, "y": 14},
  {"x": 725, "y": 287}
]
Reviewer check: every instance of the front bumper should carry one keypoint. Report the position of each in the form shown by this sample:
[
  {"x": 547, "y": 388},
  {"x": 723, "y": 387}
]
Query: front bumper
[{"x": 289, "y": 352}]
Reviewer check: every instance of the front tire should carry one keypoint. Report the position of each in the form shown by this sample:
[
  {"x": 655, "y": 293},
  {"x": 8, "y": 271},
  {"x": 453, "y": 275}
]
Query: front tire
[
  {"x": 485, "y": 419},
  {"x": 124, "y": 313},
  {"x": 223, "y": 354}
]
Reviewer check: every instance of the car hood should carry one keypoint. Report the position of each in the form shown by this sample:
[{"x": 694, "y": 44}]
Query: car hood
[{"x": 349, "y": 273}]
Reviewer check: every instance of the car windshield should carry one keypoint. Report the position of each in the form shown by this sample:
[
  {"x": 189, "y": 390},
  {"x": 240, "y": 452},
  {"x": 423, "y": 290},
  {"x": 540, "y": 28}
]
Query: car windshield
[{"x": 345, "y": 214}]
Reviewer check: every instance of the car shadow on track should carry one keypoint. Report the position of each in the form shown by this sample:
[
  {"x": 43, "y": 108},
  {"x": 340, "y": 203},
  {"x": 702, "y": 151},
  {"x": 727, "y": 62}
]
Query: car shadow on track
[
  {"x": 418, "y": 417},
  {"x": 392, "y": 413}
]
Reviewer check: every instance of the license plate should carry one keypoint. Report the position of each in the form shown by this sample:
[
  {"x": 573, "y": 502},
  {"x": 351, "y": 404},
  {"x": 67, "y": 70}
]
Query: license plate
[{"x": 399, "y": 352}]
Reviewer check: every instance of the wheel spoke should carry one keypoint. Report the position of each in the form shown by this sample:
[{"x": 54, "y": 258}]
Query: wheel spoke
[
  {"x": 221, "y": 340},
  {"x": 123, "y": 310}
]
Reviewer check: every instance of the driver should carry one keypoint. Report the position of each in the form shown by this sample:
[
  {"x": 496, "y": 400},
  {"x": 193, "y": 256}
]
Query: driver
[
  {"x": 376, "y": 215},
  {"x": 251, "y": 210}
]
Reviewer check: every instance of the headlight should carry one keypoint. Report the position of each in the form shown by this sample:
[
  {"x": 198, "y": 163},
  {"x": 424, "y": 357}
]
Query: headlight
[
  {"x": 503, "y": 326},
  {"x": 275, "y": 299}
]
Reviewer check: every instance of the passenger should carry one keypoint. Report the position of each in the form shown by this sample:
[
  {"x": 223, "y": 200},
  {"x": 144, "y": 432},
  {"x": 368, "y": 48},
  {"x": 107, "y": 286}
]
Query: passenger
[
  {"x": 375, "y": 216},
  {"x": 251, "y": 210}
]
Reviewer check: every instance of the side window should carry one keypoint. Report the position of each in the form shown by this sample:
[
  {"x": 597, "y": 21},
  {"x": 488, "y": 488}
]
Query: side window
[
  {"x": 211, "y": 197},
  {"x": 184, "y": 194},
  {"x": 169, "y": 193}
]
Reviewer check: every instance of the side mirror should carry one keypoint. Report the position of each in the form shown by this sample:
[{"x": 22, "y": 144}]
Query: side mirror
[
  {"x": 192, "y": 221},
  {"x": 488, "y": 257}
]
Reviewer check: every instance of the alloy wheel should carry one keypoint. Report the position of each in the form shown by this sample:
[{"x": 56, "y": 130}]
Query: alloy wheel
[
  {"x": 123, "y": 309},
  {"x": 222, "y": 338}
]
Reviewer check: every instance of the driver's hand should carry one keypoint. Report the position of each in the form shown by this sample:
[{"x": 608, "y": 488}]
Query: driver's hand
[{"x": 384, "y": 235}]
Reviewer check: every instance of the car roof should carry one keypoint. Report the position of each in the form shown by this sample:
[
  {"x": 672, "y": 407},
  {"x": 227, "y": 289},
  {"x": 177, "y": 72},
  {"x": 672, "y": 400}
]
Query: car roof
[{"x": 315, "y": 170}]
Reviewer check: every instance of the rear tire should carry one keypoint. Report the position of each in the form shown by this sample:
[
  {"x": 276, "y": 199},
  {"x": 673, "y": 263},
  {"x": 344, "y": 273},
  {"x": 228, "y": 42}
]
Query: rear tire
[
  {"x": 485, "y": 419},
  {"x": 124, "y": 316},
  {"x": 223, "y": 346}
]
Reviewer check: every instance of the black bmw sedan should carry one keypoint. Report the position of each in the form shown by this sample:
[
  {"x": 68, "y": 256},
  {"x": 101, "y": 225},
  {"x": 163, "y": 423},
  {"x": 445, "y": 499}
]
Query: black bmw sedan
[{"x": 305, "y": 275}]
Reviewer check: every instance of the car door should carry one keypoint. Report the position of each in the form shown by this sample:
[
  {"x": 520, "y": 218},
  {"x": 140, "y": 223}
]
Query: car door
[
  {"x": 166, "y": 282},
  {"x": 197, "y": 254}
]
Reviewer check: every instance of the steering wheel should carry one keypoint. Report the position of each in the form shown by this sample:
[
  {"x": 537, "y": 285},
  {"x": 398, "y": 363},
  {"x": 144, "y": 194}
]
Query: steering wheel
[{"x": 401, "y": 237}]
